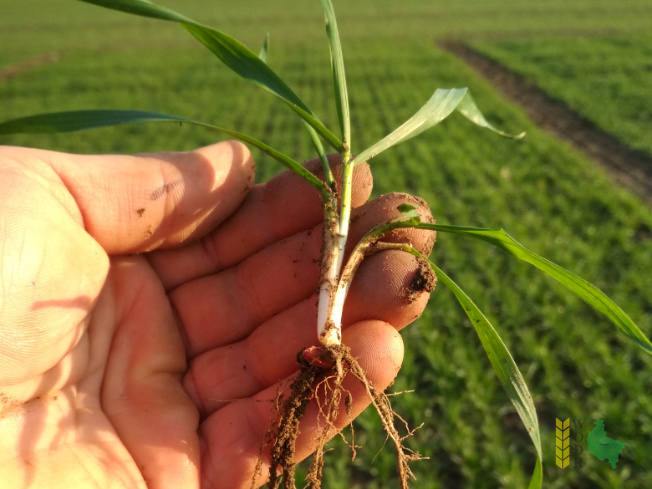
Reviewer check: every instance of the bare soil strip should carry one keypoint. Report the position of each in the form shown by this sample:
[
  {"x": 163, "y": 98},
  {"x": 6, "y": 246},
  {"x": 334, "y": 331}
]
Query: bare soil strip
[
  {"x": 627, "y": 167},
  {"x": 27, "y": 65}
]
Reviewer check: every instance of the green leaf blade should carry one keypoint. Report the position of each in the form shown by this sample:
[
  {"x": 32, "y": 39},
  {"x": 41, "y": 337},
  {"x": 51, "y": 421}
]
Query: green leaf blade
[
  {"x": 470, "y": 110},
  {"x": 537, "y": 476},
  {"x": 81, "y": 120},
  {"x": 229, "y": 50},
  {"x": 444, "y": 102},
  {"x": 502, "y": 362},
  {"x": 580, "y": 287},
  {"x": 232, "y": 53},
  {"x": 93, "y": 119},
  {"x": 248, "y": 65},
  {"x": 339, "y": 75},
  {"x": 243, "y": 61},
  {"x": 143, "y": 8},
  {"x": 409, "y": 211},
  {"x": 263, "y": 54}
]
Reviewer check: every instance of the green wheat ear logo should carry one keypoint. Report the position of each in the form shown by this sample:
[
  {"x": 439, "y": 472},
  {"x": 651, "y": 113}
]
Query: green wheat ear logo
[{"x": 563, "y": 443}]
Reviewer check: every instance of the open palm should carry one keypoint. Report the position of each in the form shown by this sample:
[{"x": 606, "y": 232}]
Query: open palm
[{"x": 151, "y": 307}]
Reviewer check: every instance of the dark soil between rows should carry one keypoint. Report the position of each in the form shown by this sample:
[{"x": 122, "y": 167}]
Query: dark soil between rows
[{"x": 627, "y": 167}]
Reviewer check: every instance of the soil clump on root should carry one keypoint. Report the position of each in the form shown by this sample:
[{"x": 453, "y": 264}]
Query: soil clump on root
[
  {"x": 320, "y": 378},
  {"x": 424, "y": 280}
]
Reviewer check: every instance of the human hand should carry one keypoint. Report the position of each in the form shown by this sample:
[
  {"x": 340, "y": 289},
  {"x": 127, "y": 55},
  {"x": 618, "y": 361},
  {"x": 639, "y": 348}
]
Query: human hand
[{"x": 152, "y": 306}]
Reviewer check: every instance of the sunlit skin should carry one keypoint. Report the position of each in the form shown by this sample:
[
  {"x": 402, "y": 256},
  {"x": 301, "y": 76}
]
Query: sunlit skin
[{"x": 151, "y": 306}]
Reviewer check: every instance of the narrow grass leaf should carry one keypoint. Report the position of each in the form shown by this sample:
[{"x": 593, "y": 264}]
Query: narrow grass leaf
[
  {"x": 442, "y": 104},
  {"x": 230, "y": 51},
  {"x": 264, "y": 51},
  {"x": 248, "y": 65},
  {"x": 143, "y": 8},
  {"x": 233, "y": 54},
  {"x": 537, "y": 476},
  {"x": 409, "y": 211},
  {"x": 502, "y": 362},
  {"x": 469, "y": 109},
  {"x": 580, "y": 287},
  {"x": 319, "y": 148},
  {"x": 91, "y": 119},
  {"x": 80, "y": 120},
  {"x": 339, "y": 76}
]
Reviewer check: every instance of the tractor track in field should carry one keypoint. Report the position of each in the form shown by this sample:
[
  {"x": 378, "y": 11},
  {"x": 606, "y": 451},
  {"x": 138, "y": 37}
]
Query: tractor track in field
[
  {"x": 627, "y": 167},
  {"x": 29, "y": 64}
]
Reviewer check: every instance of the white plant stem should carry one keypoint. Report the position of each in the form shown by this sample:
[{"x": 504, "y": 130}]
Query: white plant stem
[
  {"x": 329, "y": 332},
  {"x": 335, "y": 291},
  {"x": 346, "y": 278},
  {"x": 336, "y": 231}
]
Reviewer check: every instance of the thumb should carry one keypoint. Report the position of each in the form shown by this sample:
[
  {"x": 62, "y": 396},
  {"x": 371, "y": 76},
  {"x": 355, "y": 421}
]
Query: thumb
[{"x": 131, "y": 204}]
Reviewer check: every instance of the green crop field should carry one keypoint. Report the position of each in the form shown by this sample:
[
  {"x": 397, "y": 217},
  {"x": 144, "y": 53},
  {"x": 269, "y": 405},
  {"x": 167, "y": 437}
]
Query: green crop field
[
  {"x": 613, "y": 74},
  {"x": 542, "y": 192}
]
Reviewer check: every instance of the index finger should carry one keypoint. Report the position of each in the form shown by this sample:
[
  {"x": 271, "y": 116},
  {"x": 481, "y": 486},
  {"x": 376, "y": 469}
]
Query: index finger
[{"x": 280, "y": 208}]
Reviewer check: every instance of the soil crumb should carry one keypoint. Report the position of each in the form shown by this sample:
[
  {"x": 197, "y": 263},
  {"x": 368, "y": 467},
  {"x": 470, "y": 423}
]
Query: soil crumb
[{"x": 424, "y": 280}]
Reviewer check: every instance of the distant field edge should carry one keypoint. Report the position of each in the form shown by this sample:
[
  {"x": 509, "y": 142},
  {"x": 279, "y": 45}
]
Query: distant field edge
[{"x": 627, "y": 167}]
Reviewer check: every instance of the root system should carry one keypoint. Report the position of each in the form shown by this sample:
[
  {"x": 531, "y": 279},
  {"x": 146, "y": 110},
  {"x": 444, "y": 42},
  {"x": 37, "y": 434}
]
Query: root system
[{"x": 321, "y": 377}]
